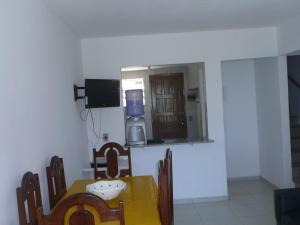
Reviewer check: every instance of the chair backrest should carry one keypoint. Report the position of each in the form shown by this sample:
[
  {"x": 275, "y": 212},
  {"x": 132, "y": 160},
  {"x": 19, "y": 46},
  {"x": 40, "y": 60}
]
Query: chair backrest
[
  {"x": 56, "y": 180},
  {"x": 169, "y": 164},
  {"x": 163, "y": 194},
  {"x": 29, "y": 199},
  {"x": 81, "y": 203},
  {"x": 111, "y": 151},
  {"x": 165, "y": 190}
]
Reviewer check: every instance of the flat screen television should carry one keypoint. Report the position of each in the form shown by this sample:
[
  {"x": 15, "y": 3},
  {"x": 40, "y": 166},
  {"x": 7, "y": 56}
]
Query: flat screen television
[{"x": 101, "y": 93}]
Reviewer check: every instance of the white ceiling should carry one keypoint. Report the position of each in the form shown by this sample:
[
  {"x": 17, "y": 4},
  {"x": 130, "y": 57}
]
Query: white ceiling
[{"x": 99, "y": 18}]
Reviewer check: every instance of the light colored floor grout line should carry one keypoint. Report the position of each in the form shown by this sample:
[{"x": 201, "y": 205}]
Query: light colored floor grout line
[{"x": 198, "y": 213}]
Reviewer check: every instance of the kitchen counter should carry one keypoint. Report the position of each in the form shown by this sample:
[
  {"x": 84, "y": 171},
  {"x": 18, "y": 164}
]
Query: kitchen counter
[
  {"x": 199, "y": 167},
  {"x": 174, "y": 141}
]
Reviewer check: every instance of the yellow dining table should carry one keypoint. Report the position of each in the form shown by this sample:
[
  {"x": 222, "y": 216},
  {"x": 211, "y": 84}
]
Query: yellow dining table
[{"x": 140, "y": 200}]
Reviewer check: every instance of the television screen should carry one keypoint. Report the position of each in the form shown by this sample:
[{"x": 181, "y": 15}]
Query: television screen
[{"x": 102, "y": 93}]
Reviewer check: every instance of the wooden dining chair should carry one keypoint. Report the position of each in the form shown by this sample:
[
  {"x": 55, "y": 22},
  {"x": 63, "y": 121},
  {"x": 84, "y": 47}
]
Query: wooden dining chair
[
  {"x": 165, "y": 190},
  {"x": 80, "y": 204},
  {"x": 111, "y": 152},
  {"x": 169, "y": 164},
  {"x": 56, "y": 180},
  {"x": 162, "y": 194},
  {"x": 29, "y": 199}
]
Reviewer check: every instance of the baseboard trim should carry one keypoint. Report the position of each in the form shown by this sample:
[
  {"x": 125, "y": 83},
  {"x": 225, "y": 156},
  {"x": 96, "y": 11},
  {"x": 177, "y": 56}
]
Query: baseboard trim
[
  {"x": 244, "y": 178},
  {"x": 251, "y": 178},
  {"x": 269, "y": 182},
  {"x": 199, "y": 200},
  {"x": 219, "y": 198}
]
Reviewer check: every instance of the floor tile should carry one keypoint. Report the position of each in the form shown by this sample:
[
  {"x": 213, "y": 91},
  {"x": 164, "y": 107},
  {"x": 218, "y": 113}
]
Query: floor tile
[
  {"x": 223, "y": 221},
  {"x": 252, "y": 209},
  {"x": 243, "y": 199},
  {"x": 214, "y": 211},
  {"x": 186, "y": 214},
  {"x": 188, "y": 221},
  {"x": 258, "y": 220},
  {"x": 264, "y": 198},
  {"x": 249, "y": 203}
]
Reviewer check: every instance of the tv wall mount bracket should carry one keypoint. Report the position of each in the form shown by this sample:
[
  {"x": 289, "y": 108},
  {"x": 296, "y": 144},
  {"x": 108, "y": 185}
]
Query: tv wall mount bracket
[{"x": 76, "y": 95}]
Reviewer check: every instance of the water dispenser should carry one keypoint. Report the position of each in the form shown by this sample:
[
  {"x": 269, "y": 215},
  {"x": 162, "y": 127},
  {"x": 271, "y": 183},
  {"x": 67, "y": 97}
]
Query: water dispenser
[{"x": 135, "y": 122}]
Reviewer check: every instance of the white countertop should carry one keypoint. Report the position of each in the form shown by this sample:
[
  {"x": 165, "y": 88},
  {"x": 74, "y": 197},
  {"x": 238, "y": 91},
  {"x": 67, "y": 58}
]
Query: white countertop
[{"x": 176, "y": 141}]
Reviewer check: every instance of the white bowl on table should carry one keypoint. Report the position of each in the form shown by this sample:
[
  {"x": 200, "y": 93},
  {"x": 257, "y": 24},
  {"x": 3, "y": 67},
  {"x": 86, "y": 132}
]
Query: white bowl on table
[{"x": 106, "y": 190}]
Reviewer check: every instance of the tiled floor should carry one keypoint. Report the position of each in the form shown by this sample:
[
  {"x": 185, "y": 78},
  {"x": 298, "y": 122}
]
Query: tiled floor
[{"x": 250, "y": 203}]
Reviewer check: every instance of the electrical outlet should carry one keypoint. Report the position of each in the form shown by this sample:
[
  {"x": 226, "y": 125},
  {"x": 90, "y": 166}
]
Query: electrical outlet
[{"x": 105, "y": 137}]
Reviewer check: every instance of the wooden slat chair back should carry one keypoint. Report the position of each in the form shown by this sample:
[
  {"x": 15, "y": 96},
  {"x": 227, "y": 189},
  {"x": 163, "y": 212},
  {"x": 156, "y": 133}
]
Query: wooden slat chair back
[
  {"x": 111, "y": 151},
  {"x": 169, "y": 164},
  {"x": 162, "y": 194},
  {"x": 56, "y": 180},
  {"x": 165, "y": 190},
  {"x": 80, "y": 215},
  {"x": 29, "y": 199}
]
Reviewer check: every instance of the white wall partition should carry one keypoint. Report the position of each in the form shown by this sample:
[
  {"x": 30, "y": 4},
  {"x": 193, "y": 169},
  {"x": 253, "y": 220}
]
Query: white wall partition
[
  {"x": 288, "y": 42},
  {"x": 240, "y": 118},
  {"x": 273, "y": 129},
  {"x": 103, "y": 58},
  {"x": 39, "y": 62},
  {"x": 194, "y": 176},
  {"x": 288, "y": 36}
]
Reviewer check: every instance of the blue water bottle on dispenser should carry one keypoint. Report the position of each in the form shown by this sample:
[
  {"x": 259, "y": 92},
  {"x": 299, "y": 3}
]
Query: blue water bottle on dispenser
[{"x": 135, "y": 123}]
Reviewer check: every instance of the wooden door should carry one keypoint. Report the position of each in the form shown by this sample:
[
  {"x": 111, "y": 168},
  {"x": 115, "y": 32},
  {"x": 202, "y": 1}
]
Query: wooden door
[{"x": 168, "y": 114}]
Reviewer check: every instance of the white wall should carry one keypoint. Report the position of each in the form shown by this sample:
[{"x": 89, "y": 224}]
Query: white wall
[
  {"x": 202, "y": 181},
  {"x": 240, "y": 118},
  {"x": 197, "y": 80},
  {"x": 271, "y": 96},
  {"x": 194, "y": 75},
  {"x": 103, "y": 58},
  {"x": 39, "y": 62},
  {"x": 288, "y": 36}
]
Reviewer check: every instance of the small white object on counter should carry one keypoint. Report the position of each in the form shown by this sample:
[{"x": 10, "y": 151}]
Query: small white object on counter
[{"x": 106, "y": 190}]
